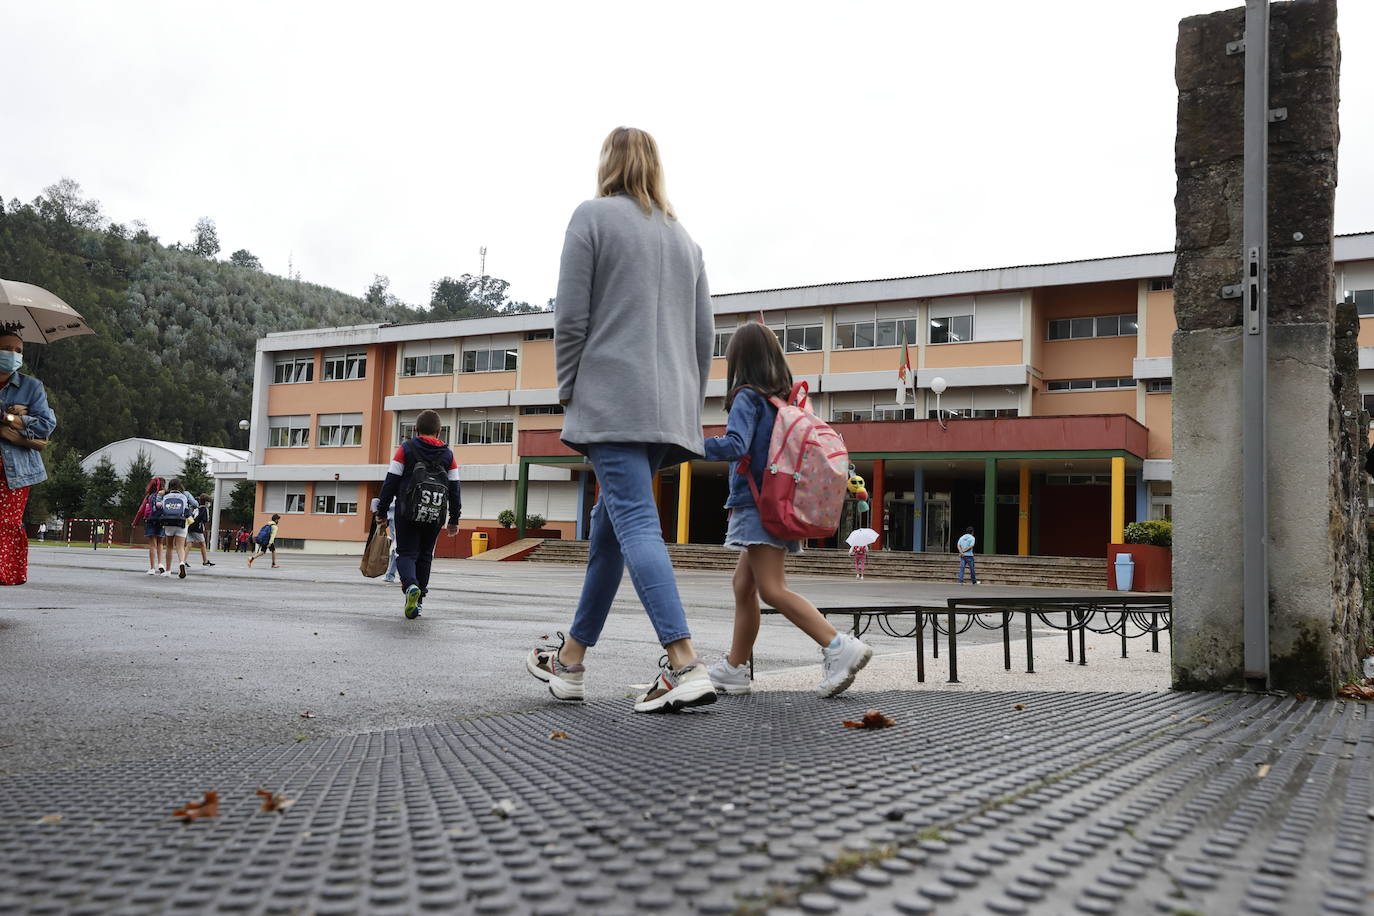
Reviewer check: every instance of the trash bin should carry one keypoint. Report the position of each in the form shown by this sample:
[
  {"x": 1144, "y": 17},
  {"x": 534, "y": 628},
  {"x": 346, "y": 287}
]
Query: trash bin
[
  {"x": 1125, "y": 572},
  {"x": 479, "y": 542}
]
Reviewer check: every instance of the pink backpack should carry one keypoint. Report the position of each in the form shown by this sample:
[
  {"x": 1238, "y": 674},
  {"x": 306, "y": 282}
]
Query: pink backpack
[{"x": 808, "y": 468}]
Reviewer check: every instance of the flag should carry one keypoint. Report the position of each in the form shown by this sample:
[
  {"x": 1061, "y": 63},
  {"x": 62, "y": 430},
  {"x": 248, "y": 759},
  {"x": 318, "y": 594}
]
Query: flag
[{"x": 903, "y": 369}]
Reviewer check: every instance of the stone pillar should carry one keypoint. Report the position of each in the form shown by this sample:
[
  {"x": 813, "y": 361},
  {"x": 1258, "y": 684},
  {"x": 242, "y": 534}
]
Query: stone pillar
[{"x": 1316, "y": 518}]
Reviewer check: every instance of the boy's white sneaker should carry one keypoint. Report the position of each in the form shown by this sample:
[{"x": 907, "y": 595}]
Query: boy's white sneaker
[
  {"x": 730, "y": 679},
  {"x": 840, "y": 664}
]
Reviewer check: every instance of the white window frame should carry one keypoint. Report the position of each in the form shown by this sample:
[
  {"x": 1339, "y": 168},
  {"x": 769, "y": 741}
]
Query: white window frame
[
  {"x": 721, "y": 342},
  {"x": 344, "y": 366},
  {"x": 289, "y": 431},
  {"x": 295, "y": 366},
  {"x": 341, "y": 427},
  {"x": 486, "y": 431},
  {"x": 411, "y": 366},
  {"x": 405, "y": 429},
  {"x": 1098, "y": 327},
  {"x": 1061, "y": 386},
  {"x": 949, "y": 328},
  {"x": 327, "y": 501},
  {"x": 481, "y": 359}
]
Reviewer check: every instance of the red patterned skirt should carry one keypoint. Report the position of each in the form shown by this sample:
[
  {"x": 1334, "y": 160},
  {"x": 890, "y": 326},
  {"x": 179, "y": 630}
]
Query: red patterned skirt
[{"x": 14, "y": 541}]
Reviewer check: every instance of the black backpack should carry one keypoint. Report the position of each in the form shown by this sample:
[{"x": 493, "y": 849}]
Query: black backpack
[{"x": 426, "y": 497}]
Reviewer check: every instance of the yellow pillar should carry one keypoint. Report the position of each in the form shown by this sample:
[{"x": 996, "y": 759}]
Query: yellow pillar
[
  {"x": 1118, "y": 501},
  {"x": 684, "y": 501},
  {"x": 1023, "y": 515}
]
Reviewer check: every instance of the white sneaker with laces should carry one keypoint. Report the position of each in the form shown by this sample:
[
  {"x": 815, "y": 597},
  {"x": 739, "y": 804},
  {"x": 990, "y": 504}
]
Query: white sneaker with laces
[
  {"x": 680, "y": 688},
  {"x": 151, "y": 572},
  {"x": 730, "y": 679},
  {"x": 840, "y": 664}
]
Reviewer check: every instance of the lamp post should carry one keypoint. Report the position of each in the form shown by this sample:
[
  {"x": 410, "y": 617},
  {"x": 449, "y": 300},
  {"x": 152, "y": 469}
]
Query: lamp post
[{"x": 938, "y": 386}]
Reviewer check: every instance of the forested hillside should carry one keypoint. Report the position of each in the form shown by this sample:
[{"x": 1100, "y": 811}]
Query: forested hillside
[{"x": 172, "y": 356}]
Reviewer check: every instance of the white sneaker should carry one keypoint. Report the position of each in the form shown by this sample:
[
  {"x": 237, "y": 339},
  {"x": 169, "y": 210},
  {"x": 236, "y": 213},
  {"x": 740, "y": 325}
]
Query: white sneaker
[
  {"x": 840, "y": 664},
  {"x": 730, "y": 679},
  {"x": 151, "y": 572},
  {"x": 683, "y": 688},
  {"x": 167, "y": 574},
  {"x": 566, "y": 682}
]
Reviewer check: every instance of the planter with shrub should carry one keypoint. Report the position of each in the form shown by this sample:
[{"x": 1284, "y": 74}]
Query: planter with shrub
[{"x": 1150, "y": 546}]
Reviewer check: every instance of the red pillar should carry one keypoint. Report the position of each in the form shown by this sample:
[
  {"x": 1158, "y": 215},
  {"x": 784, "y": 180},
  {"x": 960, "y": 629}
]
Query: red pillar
[{"x": 877, "y": 504}]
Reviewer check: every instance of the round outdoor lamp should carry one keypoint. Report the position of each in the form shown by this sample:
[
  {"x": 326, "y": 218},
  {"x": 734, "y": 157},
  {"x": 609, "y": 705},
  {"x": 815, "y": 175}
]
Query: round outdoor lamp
[
  {"x": 938, "y": 386},
  {"x": 243, "y": 425}
]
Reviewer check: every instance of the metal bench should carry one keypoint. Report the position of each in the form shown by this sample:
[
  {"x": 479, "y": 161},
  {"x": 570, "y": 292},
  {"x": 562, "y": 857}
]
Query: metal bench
[{"x": 1130, "y": 616}]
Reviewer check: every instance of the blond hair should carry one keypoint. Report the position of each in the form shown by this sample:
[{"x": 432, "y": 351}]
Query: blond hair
[{"x": 630, "y": 165}]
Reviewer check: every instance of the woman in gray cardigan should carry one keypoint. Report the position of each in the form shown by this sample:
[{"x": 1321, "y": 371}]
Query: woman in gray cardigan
[{"x": 633, "y": 331}]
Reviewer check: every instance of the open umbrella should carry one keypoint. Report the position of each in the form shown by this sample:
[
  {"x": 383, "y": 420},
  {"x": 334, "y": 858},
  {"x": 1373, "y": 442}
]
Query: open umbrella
[
  {"x": 861, "y": 537},
  {"x": 38, "y": 315}
]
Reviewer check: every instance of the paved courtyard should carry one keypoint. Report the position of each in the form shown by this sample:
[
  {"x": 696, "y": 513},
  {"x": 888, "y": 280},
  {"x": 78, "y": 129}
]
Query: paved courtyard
[{"x": 434, "y": 775}]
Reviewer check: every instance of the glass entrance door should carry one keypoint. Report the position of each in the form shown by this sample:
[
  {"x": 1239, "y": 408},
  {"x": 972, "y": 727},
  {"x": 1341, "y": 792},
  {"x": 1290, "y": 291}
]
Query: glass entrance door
[{"x": 937, "y": 523}]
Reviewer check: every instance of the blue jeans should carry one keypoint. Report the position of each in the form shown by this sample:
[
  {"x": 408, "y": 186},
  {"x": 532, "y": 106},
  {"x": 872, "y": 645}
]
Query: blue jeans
[
  {"x": 966, "y": 559},
  {"x": 626, "y": 532}
]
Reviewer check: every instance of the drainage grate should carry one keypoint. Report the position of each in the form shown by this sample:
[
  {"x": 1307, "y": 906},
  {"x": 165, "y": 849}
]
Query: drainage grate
[{"x": 1092, "y": 803}]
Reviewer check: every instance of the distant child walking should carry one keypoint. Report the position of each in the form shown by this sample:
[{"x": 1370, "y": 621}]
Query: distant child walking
[
  {"x": 966, "y": 556},
  {"x": 423, "y": 481},
  {"x": 860, "y": 555},
  {"x": 755, "y": 371},
  {"x": 200, "y": 525},
  {"x": 266, "y": 540},
  {"x": 152, "y": 529},
  {"x": 175, "y": 509}
]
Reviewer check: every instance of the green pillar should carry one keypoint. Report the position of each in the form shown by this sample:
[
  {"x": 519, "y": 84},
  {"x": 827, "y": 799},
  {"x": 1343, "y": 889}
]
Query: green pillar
[
  {"x": 522, "y": 497},
  {"x": 988, "y": 536}
]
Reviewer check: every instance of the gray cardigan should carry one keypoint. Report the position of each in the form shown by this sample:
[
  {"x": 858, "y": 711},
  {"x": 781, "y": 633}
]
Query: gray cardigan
[{"x": 633, "y": 329}]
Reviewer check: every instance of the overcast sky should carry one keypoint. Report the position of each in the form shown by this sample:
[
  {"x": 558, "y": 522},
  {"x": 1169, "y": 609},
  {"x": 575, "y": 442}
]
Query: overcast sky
[{"x": 803, "y": 142}]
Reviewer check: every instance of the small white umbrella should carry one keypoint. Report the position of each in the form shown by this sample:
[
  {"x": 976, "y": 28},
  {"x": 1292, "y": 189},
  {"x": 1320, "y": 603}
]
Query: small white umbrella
[
  {"x": 861, "y": 537},
  {"x": 38, "y": 315}
]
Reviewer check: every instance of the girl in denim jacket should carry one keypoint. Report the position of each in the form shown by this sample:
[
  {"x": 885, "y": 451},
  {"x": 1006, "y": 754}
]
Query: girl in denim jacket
[
  {"x": 756, "y": 370},
  {"x": 26, "y": 418}
]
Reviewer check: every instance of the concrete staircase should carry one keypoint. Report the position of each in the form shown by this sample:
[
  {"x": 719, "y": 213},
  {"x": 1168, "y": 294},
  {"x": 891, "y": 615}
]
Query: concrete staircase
[{"x": 1047, "y": 572}]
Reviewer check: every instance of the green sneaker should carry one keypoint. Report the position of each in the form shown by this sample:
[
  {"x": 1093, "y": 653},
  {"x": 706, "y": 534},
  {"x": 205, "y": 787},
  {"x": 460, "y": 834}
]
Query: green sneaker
[{"x": 412, "y": 607}]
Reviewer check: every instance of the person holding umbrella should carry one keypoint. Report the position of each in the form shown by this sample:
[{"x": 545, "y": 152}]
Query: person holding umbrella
[{"x": 25, "y": 426}]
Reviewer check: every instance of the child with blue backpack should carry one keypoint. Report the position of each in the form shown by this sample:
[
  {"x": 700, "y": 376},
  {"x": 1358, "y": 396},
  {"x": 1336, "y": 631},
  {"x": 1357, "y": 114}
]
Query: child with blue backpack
[
  {"x": 756, "y": 370},
  {"x": 265, "y": 540},
  {"x": 422, "y": 480},
  {"x": 173, "y": 511}
]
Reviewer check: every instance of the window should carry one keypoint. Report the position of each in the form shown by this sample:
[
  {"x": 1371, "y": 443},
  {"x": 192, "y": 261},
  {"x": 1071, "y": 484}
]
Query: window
[
  {"x": 850, "y": 416},
  {"x": 894, "y": 413},
  {"x": 408, "y": 431},
  {"x": 503, "y": 360},
  {"x": 542, "y": 410},
  {"x": 1089, "y": 384},
  {"x": 890, "y": 332},
  {"x": 289, "y": 432},
  {"x": 348, "y": 365},
  {"x": 486, "y": 432},
  {"x": 433, "y": 364},
  {"x": 1159, "y": 385},
  {"x": 981, "y": 413},
  {"x": 539, "y": 335},
  {"x": 334, "y": 498},
  {"x": 283, "y": 496},
  {"x": 951, "y": 329},
  {"x": 722, "y": 342},
  {"x": 856, "y": 335},
  {"x": 291, "y": 369},
  {"x": 1159, "y": 284},
  {"x": 1082, "y": 328},
  {"x": 1085, "y": 480},
  {"x": 801, "y": 339},
  {"x": 1364, "y": 301},
  {"x": 338, "y": 429}
]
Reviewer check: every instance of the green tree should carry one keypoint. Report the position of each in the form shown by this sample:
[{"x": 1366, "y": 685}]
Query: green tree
[
  {"x": 135, "y": 484},
  {"x": 195, "y": 477},
  {"x": 377, "y": 292},
  {"x": 102, "y": 489},
  {"x": 245, "y": 258},
  {"x": 466, "y": 297},
  {"x": 68, "y": 200},
  {"x": 207, "y": 238},
  {"x": 241, "y": 502},
  {"x": 66, "y": 488}
]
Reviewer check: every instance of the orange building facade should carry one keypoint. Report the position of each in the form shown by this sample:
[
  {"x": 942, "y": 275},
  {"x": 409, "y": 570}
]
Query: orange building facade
[{"x": 1052, "y": 431}]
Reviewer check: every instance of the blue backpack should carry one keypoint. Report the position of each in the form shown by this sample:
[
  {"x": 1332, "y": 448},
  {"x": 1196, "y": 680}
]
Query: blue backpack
[
  {"x": 264, "y": 534},
  {"x": 174, "y": 509}
]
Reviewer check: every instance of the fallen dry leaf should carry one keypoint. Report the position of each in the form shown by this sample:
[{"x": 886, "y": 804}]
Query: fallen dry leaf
[
  {"x": 871, "y": 719},
  {"x": 1262, "y": 771},
  {"x": 1300, "y": 697},
  {"x": 49, "y": 819},
  {"x": 307, "y": 715},
  {"x": 1356, "y": 692},
  {"x": 207, "y": 807},
  {"x": 559, "y": 734},
  {"x": 1019, "y": 706},
  {"x": 275, "y": 801}
]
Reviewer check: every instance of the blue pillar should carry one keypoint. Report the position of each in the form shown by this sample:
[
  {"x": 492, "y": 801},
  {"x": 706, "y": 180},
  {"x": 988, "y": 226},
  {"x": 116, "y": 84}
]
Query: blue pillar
[
  {"x": 581, "y": 478},
  {"x": 1142, "y": 498},
  {"x": 918, "y": 523}
]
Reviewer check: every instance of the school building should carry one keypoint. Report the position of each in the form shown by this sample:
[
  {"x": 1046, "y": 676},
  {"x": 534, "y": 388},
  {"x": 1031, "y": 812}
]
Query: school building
[{"x": 1051, "y": 433}]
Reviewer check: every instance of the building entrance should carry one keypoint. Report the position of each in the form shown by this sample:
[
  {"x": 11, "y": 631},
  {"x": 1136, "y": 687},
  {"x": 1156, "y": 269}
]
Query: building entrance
[{"x": 937, "y": 523}]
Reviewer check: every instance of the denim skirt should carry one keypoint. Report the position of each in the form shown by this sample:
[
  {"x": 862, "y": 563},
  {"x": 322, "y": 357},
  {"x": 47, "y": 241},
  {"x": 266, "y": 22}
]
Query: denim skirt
[{"x": 746, "y": 529}]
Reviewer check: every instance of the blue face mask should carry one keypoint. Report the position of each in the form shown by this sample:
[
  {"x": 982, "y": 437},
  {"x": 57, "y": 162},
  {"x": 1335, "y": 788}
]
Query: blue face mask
[{"x": 10, "y": 361}]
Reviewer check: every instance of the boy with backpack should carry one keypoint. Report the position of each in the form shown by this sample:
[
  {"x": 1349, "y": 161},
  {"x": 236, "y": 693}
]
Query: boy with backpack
[
  {"x": 423, "y": 481},
  {"x": 266, "y": 540}
]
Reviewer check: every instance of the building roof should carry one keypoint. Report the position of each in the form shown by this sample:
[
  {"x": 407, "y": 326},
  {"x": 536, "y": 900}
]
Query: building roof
[
  {"x": 1355, "y": 246},
  {"x": 166, "y": 457}
]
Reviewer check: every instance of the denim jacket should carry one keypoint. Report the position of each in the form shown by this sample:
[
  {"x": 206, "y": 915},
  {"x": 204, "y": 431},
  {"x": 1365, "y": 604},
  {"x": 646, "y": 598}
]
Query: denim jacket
[
  {"x": 748, "y": 430},
  {"x": 24, "y": 466}
]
